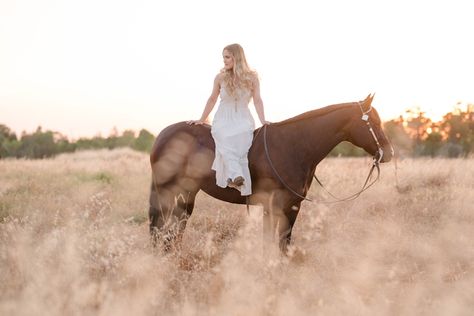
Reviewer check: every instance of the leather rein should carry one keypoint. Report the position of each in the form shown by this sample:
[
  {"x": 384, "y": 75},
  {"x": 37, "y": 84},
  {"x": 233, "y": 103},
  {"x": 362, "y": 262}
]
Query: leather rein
[{"x": 367, "y": 183}]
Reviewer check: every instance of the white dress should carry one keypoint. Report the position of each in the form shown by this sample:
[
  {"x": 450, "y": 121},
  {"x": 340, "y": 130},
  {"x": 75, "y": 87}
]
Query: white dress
[{"x": 232, "y": 130}]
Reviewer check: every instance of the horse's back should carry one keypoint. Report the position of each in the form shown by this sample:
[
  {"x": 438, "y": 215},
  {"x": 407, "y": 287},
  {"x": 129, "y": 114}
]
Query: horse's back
[{"x": 181, "y": 136}]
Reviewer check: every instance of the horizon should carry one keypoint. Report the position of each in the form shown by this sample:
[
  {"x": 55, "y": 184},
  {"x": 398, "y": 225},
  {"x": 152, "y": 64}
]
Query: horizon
[
  {"x": 119, "y": 131},
  {"x": 141, "y": 64}
]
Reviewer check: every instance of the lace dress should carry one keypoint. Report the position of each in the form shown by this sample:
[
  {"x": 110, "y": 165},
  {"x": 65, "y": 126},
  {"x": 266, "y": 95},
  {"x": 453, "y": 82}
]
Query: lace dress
[{"x": 232, "y": 130}]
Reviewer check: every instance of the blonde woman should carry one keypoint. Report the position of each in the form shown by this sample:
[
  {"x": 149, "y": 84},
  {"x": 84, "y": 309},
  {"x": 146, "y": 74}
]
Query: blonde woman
[{"x": 233, "y": 124}]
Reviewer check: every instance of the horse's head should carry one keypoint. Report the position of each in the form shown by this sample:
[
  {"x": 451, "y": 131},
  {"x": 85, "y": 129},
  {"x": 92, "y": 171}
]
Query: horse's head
[{"x": 365, "y": 131}]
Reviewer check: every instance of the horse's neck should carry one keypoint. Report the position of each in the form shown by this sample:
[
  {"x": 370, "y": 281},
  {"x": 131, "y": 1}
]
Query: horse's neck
[{"x": 315, "y": 137}]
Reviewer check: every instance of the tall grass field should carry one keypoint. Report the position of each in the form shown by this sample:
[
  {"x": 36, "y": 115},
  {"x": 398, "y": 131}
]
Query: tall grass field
[{"x": 74, "y": 240}]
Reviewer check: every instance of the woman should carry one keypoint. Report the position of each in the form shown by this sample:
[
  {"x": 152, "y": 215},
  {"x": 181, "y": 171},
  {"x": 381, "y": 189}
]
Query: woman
[{"x": 233, "y": 124}]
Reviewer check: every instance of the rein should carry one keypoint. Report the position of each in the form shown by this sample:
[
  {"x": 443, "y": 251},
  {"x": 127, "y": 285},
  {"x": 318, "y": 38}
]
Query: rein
[{"x": 375, "y": 165}]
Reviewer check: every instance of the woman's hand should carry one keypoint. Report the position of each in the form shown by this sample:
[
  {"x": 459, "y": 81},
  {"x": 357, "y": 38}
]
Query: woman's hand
[
  {"x": 266, "y": 123},
  {"x": 196, "y": 122}
]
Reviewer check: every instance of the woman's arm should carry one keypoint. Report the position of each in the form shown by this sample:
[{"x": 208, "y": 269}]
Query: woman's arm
[
  {"x": 257, "y": 101},
  {"x": 211, "y": 102}
]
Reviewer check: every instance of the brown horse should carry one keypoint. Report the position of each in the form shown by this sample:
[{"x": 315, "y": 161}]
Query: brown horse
[{"x": 182, "y": 156}]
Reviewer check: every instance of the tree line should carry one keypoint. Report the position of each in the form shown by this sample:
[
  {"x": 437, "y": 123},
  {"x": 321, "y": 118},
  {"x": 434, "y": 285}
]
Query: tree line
[
  {"x": 43, "y": 144},
  {"x": 413, "y": 134}
]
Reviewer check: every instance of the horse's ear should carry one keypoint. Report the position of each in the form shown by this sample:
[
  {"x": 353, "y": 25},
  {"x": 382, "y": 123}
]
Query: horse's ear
[{"x": 369, "y": 99}]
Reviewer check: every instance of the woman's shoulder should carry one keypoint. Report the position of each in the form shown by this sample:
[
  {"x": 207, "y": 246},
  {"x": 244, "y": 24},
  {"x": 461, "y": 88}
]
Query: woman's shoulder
[
  {"x": 220, "y": 76},
  {"x": 253, "y": 76}
]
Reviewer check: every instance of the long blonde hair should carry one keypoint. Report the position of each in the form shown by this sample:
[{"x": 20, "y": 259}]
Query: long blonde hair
[{"x": 240, "y": 76}]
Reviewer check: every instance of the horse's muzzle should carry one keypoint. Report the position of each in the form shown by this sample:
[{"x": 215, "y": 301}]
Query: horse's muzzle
[{"x": 387, "y": 155}]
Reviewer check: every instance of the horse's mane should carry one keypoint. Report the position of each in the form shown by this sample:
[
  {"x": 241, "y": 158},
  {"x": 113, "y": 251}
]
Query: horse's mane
[{"x": 316, "y": 113}]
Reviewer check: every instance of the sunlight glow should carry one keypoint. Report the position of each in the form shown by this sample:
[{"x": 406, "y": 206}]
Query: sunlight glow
[{"x": 83, "y": 67}]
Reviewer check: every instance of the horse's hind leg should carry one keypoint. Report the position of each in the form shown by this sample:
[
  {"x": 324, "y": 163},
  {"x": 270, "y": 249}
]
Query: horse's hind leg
[
  {"x": 177, "y": 223},
  {"x": 170, "y": 209}
]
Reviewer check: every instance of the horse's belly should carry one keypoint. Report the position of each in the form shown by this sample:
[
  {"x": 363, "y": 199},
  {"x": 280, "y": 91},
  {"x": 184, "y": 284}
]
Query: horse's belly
[{"x": 224, "y": 194}]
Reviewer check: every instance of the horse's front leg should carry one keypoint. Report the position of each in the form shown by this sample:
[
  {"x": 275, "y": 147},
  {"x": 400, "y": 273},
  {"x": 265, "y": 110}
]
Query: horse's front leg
[
  {"x": 291, "y": 212},
  {"x": 275, "y": 224},
  {"x": 278, "y": 221},
  {"x": 176, "y": 225},
  {"x": 279, "y": 217}
]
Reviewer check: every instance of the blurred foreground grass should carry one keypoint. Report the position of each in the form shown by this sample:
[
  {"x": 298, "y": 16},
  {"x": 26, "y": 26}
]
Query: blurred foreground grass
[{"x": 74, "y": 241}]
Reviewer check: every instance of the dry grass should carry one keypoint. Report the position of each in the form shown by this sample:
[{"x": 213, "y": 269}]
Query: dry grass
[{"x": 74, "y": 241}]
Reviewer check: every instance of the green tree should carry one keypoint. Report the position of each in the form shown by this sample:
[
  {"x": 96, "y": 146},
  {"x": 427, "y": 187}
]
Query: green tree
[
  {"x": 144, "y": 141},
  {"x": 458, "y": 126},
  {"x": 96, "y": 142},
  {"x": 432, "y": 144},
  {"x": 127, "y": 139},
  {"x": 8, "y": 142},
  {"x": 37, "y": 145},
  {"x": 417, "y": 125},
  {"x": 62, "y": 144}
]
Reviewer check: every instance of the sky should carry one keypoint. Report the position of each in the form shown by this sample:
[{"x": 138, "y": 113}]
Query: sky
[{"x": 84, "y": 67}]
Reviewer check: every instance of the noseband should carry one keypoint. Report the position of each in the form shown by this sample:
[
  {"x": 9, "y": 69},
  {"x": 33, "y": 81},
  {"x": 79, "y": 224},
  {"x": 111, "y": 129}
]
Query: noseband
[{"x": 375, "y": 164}]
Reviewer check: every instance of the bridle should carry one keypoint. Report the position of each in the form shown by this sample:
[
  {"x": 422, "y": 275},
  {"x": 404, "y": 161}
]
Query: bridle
[
  {"x": 375, "y": 164},
  {"x": 365, "y": 118}
]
